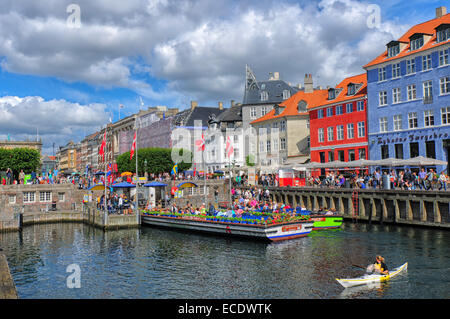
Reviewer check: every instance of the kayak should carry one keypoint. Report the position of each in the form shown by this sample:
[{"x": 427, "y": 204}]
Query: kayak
[{"x": 366, "y": 279}]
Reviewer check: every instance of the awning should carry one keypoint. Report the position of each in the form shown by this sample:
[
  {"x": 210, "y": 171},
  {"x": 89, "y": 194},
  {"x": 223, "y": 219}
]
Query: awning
[
  {"x": 186, "y": 185},
  {"x": 155, "y": 184},
  {"x": 123, "y": 185}
]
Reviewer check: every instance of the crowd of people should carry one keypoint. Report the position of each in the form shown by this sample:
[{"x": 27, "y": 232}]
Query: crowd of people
[{"x": 403, "y": 180}]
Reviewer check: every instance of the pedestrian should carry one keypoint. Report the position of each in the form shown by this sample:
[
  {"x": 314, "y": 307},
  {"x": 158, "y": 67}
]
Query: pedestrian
[
  {"x": 443, "y": 181},
  {"x": 21, "y": 177}
]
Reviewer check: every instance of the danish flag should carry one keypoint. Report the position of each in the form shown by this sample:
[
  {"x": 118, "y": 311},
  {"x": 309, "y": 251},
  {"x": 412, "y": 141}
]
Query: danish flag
[
  {"x": 133, "y": 146},
  {"x": 229, "y": 148},
  {"x": 102, "y": 147},
  {"x": 200, "y": 144}
]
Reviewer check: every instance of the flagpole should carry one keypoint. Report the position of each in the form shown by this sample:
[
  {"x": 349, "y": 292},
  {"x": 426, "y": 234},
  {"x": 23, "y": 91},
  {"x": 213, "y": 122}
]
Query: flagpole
[
  {"x": 104, "y": 200},
  {"x": 137, "y": 176}
]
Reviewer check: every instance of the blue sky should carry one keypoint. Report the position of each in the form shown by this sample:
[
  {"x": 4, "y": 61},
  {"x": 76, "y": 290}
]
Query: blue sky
[{"x": 171, "y": 52}]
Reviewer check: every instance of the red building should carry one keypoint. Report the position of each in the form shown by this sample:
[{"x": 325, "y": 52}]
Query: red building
[{"x": 338, "y": 124}]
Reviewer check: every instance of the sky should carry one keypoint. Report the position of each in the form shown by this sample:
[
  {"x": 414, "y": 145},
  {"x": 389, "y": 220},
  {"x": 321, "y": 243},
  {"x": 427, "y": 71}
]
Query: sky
[{"x": 66, "y": 66}]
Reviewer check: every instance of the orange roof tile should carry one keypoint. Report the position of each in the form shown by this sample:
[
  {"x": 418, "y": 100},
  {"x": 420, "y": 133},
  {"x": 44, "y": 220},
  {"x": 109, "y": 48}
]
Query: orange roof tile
[
  {"x": 427, "y": 28},
  {"x": 342, "y": 96},
  {"x": 290, "y": 105}
]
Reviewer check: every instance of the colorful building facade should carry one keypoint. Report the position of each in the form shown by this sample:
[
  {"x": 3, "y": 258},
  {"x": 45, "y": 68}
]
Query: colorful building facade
[
  {"x": 338, "y": 123},
  {"x": 409, "y": 94}
]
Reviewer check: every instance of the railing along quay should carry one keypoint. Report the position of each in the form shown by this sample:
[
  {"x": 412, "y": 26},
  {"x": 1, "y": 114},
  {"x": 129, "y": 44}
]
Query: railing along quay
[{"x": 412, "y": 207}]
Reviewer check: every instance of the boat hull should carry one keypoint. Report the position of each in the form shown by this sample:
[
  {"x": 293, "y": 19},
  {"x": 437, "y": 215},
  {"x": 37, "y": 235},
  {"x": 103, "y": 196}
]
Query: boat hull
[
  {"x": 275, "y": 232},
  {"x": 326, "y": 221},
  {"x": 368, "y": 279}
]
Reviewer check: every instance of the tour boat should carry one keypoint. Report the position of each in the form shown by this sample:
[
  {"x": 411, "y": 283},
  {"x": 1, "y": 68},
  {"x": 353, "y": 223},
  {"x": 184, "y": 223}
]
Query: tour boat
[
  {"x": 326, "y": 221},
  {"x": 269, "y": 232}
]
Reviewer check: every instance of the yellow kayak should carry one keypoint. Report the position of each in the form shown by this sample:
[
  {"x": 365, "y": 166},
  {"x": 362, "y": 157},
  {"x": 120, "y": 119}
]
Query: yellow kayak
[{"x": 366, "y": 279}]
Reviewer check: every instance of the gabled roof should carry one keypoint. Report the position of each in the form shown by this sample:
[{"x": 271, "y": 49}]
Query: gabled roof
[
  {"x": 343, "y": 96},
  {"x": 425, "y": 28},
  {"x": 188, "y": 117},
  {"x": 289, "y": 107},
  {"x": 274, "y": 88},
  {"x": 232, "y": 114}
]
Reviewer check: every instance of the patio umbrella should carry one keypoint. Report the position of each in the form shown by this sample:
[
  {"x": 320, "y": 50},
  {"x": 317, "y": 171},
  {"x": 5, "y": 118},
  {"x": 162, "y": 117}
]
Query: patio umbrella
[
  {"x": 126, "y": 174},
  {"x": 123, "y": 185},
  {"x": 155, "y": 184},
  {"x": 98, "y": 187},
  {"x": 186, "y": 185},
  {"x": 423, "y": 161}
]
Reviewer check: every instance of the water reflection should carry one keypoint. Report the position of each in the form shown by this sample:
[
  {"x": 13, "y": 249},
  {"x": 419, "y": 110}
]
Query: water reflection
[{"x": 157, "y": 263}]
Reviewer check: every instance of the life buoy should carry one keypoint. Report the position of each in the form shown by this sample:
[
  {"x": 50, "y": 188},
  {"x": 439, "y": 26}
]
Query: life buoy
[{"x": 174, "y": 190}]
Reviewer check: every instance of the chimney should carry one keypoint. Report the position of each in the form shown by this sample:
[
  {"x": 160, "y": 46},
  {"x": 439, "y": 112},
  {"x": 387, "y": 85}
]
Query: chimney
[
  {"x": 194, "y": 104},
  {"x": 232, "y": 103},
  {"x": 299, "y": 85},
  {"x": 221, "y": 106},
  {"x": 440, "y": 12},
  {"x": 309, "y": 88}
]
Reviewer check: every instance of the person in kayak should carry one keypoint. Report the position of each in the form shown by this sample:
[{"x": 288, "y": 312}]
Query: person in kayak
[{"x": 380, "y": 266}]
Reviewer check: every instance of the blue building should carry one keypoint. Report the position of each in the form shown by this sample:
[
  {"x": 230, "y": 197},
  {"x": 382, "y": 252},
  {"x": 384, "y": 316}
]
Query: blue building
[{"x": 409, "y": 94}]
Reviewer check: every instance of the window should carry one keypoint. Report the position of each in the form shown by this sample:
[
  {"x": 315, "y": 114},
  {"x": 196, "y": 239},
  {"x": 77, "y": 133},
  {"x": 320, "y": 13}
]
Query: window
[
  {"x": 428, "y": 118},
  {"x": 397, "y": 122},
  {"x": 320, "y": 113},
  {"x": 253, "y": 112},
  {"x": 361, "y": 129},
  {"x": 395, "y": 70},
  {"x": 351, "y": 90},
  {"x": 349, "y": 108},
  {"x": 268, "y": 146},
  {"x": 360, "y": 106},
  {"x": 261, "y": 147},
  {"x": 339, "y": 110},
  {"x": 263, "y": 111},
  {"x": 341, "y": 156},
  {"x": 340, "y": 132},
  {"x": 29, "y": 197},
  {"x": 321, "y": 135},
  {"x": 286, "y": 94},
  {"x": 443, "y": 57},
  {"x": 430, "y": 149},
  {"x": 264, "y": 96},
  {"x": 383, "y": 124},
  {"x": 398, "y": 151},
  {"x": 411, "y": 90},
  {"x": 413, "y": 149},
  {"x": 426, "y": 62},
  {"x": 351, "y": 155},
  {"x": 443, "y": 35},
  {"x": 330, "y": 156},
  {"x": 45, "y": 196},
  {"x": 427, "y": 89},
  {"x": 330, "y": 133},
  {"x": 445, "y": 115},
  {"x": 412, "y": 120},
  {"x": 322, "y": 157},
  {"x": 417, "y": 43},
  {"x": 382, "y": 98},
  {"x": 275, "y": 145},
  {"x": 362, "y": 153},
  {"x": 382, "y": 74},
  {"x": 329, "y": 112},
  {"x": 445, "y": 85},
  {"x": 350, "y": 131},
  {"x": 12, "y": 199},
  {"x": 410, "y": 66},
  {"x": 393, "y": 50},
  {"x": 283, "y": 143},
  {"x": 384, "y": 151},
  {"x": 331, "y": 94},
  {"x": 396, "y": 95},
  {"x": 283, "y": 126}
]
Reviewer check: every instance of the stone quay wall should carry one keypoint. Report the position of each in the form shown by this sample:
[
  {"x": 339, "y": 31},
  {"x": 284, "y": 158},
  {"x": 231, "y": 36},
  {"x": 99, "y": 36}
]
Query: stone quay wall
[{"x": 421, "y": 208}]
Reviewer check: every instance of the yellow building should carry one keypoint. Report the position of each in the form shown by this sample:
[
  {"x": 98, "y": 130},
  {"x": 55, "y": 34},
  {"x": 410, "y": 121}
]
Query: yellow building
[{"x": 67, "y": 158}]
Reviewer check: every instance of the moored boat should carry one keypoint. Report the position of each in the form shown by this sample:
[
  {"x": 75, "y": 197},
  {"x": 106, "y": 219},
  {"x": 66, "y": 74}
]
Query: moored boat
[
  {"x": 326, "y": 221},
  {"x": 367, "y": 279},
  {"x": 269, "y": 232}
]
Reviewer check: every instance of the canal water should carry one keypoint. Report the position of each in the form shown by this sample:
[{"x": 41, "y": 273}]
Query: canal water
[{"x": 160, "y": 263}]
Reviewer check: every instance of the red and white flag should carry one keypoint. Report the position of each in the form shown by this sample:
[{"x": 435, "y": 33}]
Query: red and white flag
[
  {"x": 200, "y": 144},
  {"x": 133, "y": 146},
  {"x": 229, "y": 148},
  {"x": 102, "y": 147}
]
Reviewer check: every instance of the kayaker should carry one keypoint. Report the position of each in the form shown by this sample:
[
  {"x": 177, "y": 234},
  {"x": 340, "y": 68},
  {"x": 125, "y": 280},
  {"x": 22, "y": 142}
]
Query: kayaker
[{"x": 380, "y": 266}]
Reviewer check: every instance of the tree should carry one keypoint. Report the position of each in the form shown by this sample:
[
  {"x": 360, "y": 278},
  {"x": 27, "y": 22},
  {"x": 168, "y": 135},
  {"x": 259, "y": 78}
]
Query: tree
[
  {"x": 18, "y": 159},
  {"x": 157, "y": 160}
]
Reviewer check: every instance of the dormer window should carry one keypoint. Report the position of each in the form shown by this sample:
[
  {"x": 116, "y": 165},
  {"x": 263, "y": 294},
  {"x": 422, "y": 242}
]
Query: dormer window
[
  {"x": 416, "y": 43},
  {"x": 264, "y": 96},
  {"x": 393, "y": 50},
  {"x": 286, "y": 94},
  {"x": 301, "y": 106},
  {"x": 351, "y": 89},
  {"x": 331, "y": 94},
  {"x": 443, "y": 33}
]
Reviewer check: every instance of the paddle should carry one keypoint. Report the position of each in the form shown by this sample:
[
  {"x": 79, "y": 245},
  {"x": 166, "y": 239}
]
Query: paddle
[{"x": 360, "y": 267}]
